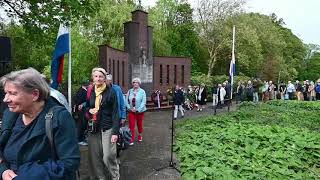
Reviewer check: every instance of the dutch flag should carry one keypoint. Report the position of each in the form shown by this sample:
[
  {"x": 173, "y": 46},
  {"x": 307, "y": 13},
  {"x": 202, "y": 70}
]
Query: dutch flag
[{"x": 62, "y": 48}]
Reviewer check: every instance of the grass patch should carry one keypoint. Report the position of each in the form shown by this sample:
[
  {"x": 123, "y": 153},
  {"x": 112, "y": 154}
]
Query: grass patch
[{"x": 274, "y": 140}]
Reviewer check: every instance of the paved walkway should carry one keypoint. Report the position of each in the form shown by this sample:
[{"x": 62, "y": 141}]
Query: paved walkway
[{"x": 140, "y": 160}]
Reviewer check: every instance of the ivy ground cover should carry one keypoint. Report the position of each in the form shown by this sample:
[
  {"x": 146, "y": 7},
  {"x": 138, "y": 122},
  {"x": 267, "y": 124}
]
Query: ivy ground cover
[{"x": 274, "y": 140}]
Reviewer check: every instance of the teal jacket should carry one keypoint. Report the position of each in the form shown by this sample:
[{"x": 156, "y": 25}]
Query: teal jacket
[
  {"x": 35, "y": 152},
  {"x": 140, "y": 100}
]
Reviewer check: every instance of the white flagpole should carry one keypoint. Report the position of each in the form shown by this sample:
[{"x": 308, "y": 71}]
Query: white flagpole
[
  {"x": 69, "y": 69},
  {"x": 233, "y": 40},
  {"x": 233, "y": 57}
]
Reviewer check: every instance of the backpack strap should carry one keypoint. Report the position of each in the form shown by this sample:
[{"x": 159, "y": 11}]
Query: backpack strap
[{"x": 49, "y": 133}]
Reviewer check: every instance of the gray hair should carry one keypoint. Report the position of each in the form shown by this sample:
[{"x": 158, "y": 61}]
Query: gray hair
[
  {"x": 28, "y": 80},
  {"x": 99, "y": 69},
  {"x": 109, "y": 77},
  {"x": 136, "y": 80}
]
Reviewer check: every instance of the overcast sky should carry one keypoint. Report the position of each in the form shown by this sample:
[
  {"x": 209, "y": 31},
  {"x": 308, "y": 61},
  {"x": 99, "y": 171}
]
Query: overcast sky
[{"x": 302, "y": 17}]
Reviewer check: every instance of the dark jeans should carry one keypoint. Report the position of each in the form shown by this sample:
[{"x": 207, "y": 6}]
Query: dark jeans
[
  {"x": 318, "y": 96},
  {"x": 291, "y": 95},
  {"x": 239, "y": 98}
]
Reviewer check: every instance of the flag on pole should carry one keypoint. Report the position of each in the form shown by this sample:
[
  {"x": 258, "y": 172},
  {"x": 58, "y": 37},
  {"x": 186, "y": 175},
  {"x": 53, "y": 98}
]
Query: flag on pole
[
  {"x": 232, "y": 69},
  {"x": 62, "y": 48}
]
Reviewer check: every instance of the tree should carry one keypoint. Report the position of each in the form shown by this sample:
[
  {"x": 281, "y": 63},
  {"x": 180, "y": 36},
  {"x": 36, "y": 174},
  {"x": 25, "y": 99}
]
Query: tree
[
  {"x": 212, "y": 16},
  {"x": 311, "y": 68},
  {"x": 106, "y": 26},
  {"x": 174, "y": 32},
  {"x": 43, "y": 15}
]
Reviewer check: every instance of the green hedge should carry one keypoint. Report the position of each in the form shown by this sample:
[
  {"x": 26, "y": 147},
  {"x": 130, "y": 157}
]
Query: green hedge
[
  {"x": 209, "y": 81},
  {"x": 275, "y": 140}
]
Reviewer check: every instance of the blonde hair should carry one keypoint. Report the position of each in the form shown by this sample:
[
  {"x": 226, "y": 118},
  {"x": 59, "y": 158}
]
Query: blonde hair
[{"x": 28, "y": 80}]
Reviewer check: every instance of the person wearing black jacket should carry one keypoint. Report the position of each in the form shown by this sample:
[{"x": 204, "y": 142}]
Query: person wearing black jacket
[
  {"x": 299, "y": 90},
  {"x": 178, "y": 100},
  {"x": 79, "y": 112},
  {"x": 102, "y": 148},
  {"x": 201, "y": 97}
]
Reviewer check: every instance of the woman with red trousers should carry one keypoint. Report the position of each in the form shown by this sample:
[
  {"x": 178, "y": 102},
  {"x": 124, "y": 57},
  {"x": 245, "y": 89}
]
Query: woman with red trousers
[{"x": 136, "y": 105}]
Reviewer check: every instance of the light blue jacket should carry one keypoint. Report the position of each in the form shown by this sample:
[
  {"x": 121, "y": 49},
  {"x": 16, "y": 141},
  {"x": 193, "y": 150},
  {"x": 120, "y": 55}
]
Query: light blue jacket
[
  {"x": 121, "y": 104},
  {"x": 140, "y": 100}
]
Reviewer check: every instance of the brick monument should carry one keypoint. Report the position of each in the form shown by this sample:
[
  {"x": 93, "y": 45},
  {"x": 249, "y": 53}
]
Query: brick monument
[{"x": 137, "y": 60}]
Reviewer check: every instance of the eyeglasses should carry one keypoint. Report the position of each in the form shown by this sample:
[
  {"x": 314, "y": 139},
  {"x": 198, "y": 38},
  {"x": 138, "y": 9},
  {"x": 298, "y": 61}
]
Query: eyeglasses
[{"x": 135, "y": 82}]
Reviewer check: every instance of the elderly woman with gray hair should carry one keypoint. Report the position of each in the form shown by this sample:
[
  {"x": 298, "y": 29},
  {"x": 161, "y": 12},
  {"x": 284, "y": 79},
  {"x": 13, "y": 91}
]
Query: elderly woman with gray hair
[
  {"x": 25, "y": 151},
  {"x": 104, "y": 128},
  {"x": 136, "y": 105}
]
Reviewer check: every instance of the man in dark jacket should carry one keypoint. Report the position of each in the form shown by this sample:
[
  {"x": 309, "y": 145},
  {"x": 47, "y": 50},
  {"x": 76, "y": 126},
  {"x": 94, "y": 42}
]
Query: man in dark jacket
[{"x": 178, "y": 100}]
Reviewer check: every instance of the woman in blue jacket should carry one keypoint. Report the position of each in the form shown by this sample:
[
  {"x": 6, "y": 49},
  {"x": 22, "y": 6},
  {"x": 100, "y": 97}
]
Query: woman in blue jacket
[
  {"x": 24, "y": 146},
  {"x": 136, "y": 105}
]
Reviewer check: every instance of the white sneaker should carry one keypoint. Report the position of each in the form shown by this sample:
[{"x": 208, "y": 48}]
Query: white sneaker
[
  {"x": 82, "y": 143},
  {"x": 131, "y": 144}
]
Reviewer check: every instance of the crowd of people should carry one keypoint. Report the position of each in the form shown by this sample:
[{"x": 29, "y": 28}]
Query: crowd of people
[
  {"x": 257, "y": 90},
  {"x": 223, "y": 93},
  {"x": 101, "y": 107}
]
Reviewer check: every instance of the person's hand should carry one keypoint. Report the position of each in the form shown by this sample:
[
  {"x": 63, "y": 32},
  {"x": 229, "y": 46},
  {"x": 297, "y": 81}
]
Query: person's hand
[
  {"x": 8, "y": 174},
  {"x": 80, "y": 107},
  {"x": 122, "y": 122},
  {"x": 92, "y": 111},
  {"x": 114, "y": 139},
  {"x": 133, "y": 109}
]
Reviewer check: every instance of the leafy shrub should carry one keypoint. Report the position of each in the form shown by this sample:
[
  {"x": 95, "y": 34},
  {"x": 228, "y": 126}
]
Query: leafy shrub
[{"x": 275, "y": 140}]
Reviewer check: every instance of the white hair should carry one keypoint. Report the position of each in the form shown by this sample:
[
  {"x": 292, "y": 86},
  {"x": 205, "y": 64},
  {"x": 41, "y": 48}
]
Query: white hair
[
  {"x": 99, "y": 69},
  {"x": 136, "y": 80},
  {"x": 109, "y": 77}
]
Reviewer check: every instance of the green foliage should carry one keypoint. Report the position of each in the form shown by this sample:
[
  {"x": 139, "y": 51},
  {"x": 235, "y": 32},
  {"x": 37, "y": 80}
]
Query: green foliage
[
  {"x": 310, "y": 70},
  {"x": 274, "y": 140},
  {"x": 26, "y": 52},
  {"x": 199, "y": 78},
  {"x": 174, "y": 32},
  {"x": 106, "y": 26},
  {"x": 40, "y": 16},
  {"x": 264, "y": 48}
]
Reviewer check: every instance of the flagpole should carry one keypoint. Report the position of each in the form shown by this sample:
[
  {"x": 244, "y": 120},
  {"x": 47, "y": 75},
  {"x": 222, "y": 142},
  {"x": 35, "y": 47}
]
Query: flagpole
[
  {"x": 233, "y": 57},
  {"x": 69, "y": 69},
  {"x": 233, "y": 40}
]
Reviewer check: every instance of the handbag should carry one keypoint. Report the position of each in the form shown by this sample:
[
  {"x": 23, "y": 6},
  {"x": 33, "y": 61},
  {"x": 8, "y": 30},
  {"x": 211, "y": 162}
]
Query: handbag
[{"x": 124, "y": 138}]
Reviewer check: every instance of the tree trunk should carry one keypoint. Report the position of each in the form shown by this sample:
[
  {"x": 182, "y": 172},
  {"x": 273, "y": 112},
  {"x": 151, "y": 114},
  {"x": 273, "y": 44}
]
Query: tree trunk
[{"x": 212, "y": 61}]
